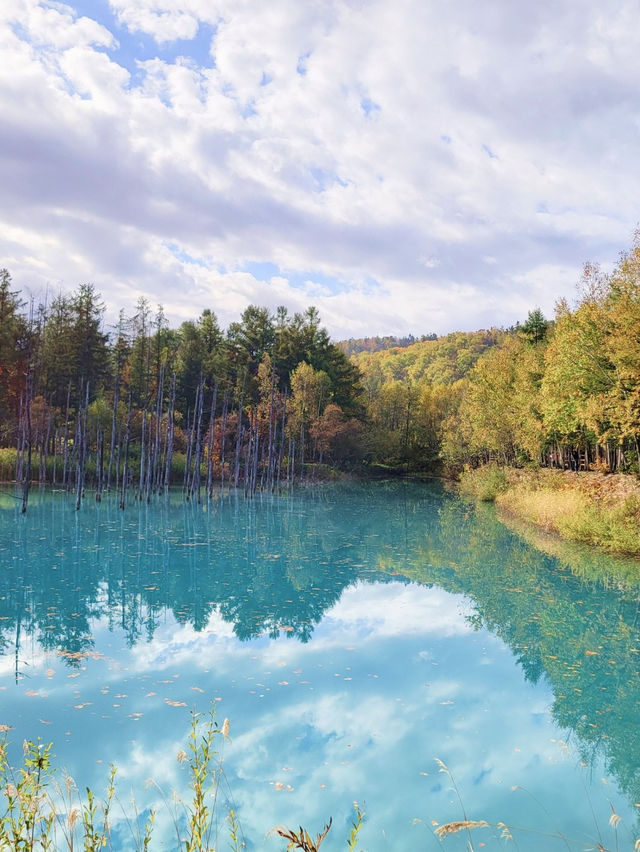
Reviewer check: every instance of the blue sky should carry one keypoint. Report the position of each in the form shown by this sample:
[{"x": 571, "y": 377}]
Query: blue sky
[{"x": 410, "y": 168}]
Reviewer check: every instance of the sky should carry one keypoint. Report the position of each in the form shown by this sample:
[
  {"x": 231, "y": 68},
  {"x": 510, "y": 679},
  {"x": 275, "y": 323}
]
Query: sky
[{"x": 406, "y": 167}]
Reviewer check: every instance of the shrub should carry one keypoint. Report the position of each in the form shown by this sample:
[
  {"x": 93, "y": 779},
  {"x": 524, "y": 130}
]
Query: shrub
[{"x": 484, "y": 483}]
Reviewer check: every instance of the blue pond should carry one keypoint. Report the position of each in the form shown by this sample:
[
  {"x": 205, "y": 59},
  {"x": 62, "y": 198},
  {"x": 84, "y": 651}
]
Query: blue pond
[{"x": 354, "y": 636}]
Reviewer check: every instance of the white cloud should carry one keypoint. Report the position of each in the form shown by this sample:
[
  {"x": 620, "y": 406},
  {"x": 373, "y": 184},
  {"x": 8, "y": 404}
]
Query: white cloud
[{"x": 364, "y": 142}]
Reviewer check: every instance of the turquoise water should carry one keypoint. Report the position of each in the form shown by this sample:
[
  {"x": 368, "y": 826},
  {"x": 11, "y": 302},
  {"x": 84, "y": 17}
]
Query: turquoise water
[{"x": 352, "y": 635}]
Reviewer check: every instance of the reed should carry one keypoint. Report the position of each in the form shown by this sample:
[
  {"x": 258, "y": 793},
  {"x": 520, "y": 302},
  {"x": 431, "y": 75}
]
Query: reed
[{"x": 38, "y": 814}]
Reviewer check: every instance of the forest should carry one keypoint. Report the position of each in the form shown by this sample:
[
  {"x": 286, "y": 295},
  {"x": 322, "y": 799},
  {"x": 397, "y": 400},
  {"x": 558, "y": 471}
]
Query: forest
[
  {"x": 148, "y": 406},
  {"x": 272, "y": 399}
]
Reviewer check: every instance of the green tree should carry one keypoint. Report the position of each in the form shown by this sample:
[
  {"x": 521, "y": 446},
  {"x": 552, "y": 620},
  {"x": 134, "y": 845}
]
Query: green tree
[
  {"x": 535, "y": 327},
  {"x": 12, "y": 350}
]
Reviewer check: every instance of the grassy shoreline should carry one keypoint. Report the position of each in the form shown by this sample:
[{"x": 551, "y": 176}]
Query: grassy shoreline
[{"x": 602, "y": 510}]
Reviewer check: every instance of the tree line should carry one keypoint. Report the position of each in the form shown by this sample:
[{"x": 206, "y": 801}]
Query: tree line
[
  {"x": 563, "y": 393},
  {"x": 271, "y": 399},
  {"x": 559, "y": 393},
  {"x": 148, "y": 405}
]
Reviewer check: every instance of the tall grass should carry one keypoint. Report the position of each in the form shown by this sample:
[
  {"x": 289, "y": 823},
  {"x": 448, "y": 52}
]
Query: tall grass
[
  {"x": 615, "y": 529},
  {"x": 37, "y": 814},
  {"x": 484, "y": 483},
  {"x": 602, "y": 511},
  {"x": 503, "y": 832},
  {"x": 574, "y": 514},
  {"x": 543, "y": 507}
]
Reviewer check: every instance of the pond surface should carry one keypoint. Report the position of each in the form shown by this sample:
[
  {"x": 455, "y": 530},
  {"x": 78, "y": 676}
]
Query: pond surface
[{"x": 352, "y": 635}]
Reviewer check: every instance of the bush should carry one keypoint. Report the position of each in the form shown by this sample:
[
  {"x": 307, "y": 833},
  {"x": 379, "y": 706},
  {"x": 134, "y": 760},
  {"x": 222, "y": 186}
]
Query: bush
[
  {"x": 8, "y": 457},
  {"x": 484, "y": 483}
]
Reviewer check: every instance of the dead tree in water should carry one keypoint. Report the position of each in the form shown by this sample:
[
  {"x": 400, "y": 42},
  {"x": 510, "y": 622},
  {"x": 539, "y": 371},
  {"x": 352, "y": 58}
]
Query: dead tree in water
[
  {"x": 193, "y": 484},
  {"x": 169, "y": 432},
  {"x": 210, "y": 443},
  {"x": 239, "y": 434},
  {"x": 65, "y": 462},
  {"x": 153, "y": 473},
  {"x": 27, "y": 440},
  {"x": 81, "y": 440},
  {"x": 223, "y": 437},
  {"x": 125, "y": 470}
]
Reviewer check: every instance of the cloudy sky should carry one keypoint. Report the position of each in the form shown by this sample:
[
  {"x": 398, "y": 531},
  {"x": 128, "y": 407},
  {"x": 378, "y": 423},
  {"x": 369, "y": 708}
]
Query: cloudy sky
[{"x": 413, "y": 166}]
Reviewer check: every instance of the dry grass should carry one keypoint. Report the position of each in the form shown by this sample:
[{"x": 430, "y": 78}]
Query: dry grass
[
  {"x": 459, "y": 825},
  {"x": 592, "y": 507},
  {"x": 543, "y": 507}
]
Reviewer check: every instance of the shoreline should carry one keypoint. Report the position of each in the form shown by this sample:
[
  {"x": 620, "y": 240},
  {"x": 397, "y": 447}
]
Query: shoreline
[{"x": 589, "y": 507}]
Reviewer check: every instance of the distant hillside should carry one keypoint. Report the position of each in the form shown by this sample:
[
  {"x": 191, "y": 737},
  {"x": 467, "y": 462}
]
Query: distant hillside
[
  {"x": 440, "y": 361},
  {"x": 376, "y": 344}
]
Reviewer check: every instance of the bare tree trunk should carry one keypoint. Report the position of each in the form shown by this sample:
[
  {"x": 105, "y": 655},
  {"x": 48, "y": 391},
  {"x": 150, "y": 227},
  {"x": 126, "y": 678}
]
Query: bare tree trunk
[
  {"x": 195, "y": 479},
  {"x": 54, "y": 474},
  {"x": 99, "y": 461},
  {"x": 239, "y": 435},
  {"x": 81, "y": 456},
  {"x": 125, "y": 470},
  {"x": 212, "y": 427},
  {"x": 26, "y": 483},
  {"x": 170, "y": 412},
  {"x": 223, "y": 437},
  {"x": 187, "y": 462},
  {"x": 114, "y": 419},
  {"x": 143, "y": 431},
  {"x": 282, "y": 440},
  {"x": 272, "y": 429},
  {"x": 157, "y": 433},
  {"x": 65, "y": 466}
]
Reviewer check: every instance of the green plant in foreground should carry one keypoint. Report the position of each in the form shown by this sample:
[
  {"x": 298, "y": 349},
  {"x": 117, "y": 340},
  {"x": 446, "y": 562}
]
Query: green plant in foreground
[
  {"x": 32, "y": 814},
  {"x": 95, "y": 838},
  {"x": 204, "y": 780},
  {"x": 25, "y": 821}
]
